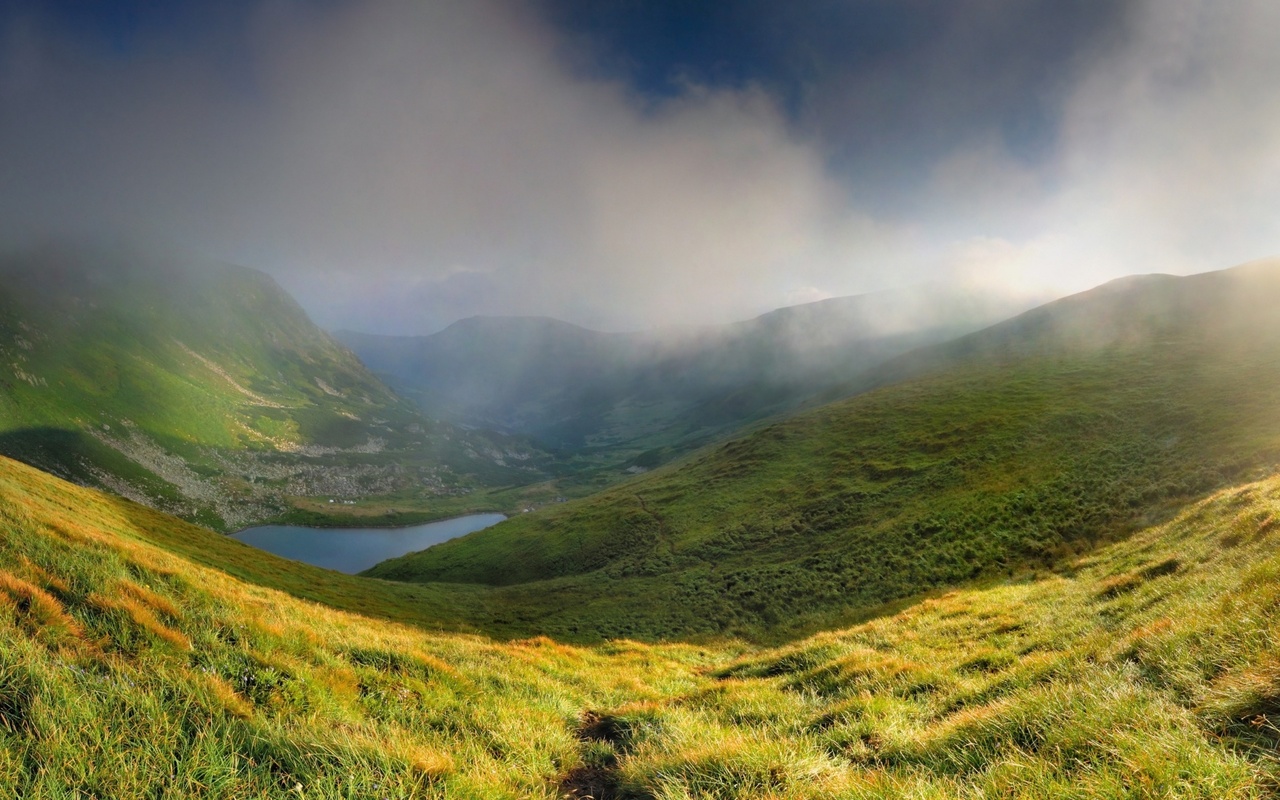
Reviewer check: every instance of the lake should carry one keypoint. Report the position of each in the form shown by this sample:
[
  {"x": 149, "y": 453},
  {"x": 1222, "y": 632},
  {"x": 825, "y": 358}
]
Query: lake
[{"x": 353, "y": 550}]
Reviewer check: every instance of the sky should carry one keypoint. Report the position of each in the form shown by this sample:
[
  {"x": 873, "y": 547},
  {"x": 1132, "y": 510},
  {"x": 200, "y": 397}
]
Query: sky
[{"x": 624, "y": 164}]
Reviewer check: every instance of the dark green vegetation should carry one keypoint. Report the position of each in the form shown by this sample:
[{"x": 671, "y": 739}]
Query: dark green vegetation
[
  {"x": 610, "y": 401},
  {"x": 1016, "y": 447},
  {"x": 205, "y": 390},
  {"x": 1114, "y": 634},
  {"x": 127, "y": 669}
]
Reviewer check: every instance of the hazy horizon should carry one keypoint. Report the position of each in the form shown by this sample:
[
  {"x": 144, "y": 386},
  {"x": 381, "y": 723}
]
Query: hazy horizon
[{"x": 398, "y": 166}]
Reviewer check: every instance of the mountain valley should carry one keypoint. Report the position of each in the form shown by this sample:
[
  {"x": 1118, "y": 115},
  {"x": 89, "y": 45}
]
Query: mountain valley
[
  {"x": 622, "y": 400},
  {"x": 1011, "y": 448},
  {"x": 637, "y": 400},
  {"x": 204, "y": 390},
  {"x": 1033, "y": 560}
]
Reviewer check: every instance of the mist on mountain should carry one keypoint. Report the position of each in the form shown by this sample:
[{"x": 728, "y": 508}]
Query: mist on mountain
[{"x": 651, "y": 395}]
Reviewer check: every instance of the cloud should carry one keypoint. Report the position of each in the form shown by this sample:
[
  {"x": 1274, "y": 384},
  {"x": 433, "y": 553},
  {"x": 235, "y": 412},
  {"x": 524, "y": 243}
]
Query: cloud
[
  {"x": 482, "y": 150},
  {"x": 384, "y": 145},
  {"x": 1172, "y": 145},
  {"x": 399, "y": 165},
  {"x": 1167, "y": 156}
]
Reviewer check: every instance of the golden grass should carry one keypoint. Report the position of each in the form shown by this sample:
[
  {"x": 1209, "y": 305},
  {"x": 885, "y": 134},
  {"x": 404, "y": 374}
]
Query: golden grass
[
  {"x": 226, "y": 697},
  {"x": 37, "y": 611},
  {"x": 142, "y": 617},
  {"x": 148, "y": 598},
  {"x": 1044, "y": 687}
]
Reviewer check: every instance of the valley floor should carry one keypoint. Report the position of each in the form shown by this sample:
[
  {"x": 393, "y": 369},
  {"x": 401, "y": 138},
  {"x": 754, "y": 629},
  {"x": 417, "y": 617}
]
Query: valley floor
[{"x": 127, "y": 669}]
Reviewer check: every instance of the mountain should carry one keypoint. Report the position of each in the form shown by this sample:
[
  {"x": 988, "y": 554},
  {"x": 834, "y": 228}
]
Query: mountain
[
  {"x": 205, "y": 390},
  {"x": 144, "y": 657},
  {"x": 639, "y": 399},
  {"x": 1016, "y": 446},
  {"x": 1228, "y": 308},
  {"x": 1073, "y": 665},
  {"x": 531, "y": 375}
]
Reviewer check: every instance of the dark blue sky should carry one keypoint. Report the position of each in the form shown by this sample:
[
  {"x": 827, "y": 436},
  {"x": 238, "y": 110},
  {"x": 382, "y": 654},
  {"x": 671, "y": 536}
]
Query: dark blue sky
[
  {"x": 123, "y": 28},
  {"x": 884, "y": 84}
]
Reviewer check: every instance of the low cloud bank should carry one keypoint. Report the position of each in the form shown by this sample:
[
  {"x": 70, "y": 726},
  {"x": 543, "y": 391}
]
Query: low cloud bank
[{"x": 400, "y": 165}]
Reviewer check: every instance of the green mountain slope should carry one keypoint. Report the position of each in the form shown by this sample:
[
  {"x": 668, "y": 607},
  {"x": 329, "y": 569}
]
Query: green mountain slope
[
  {"x": 638, "y": 399},
  {"x": 1016, "y": 447},
  {"x": 204, "y": 389},
  {"x": 1228, "y": 308},
  {"x": 127, "y": 669}
]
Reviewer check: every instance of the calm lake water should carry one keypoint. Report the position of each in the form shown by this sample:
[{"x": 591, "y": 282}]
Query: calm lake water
[{"x": 352, "y": 550}]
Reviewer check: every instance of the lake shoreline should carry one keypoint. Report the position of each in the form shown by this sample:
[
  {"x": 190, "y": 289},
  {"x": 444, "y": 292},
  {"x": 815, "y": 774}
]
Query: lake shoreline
[
  {"x": 372, "y": 527},
  {"x": 353, "y": 550}
]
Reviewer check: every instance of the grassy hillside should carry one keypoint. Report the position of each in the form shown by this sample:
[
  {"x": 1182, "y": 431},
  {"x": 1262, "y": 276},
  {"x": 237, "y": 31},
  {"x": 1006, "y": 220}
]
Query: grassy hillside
[
  {"x": 1144, "y": 669},
  {"x": 127, "y": 670},
  {"x": 1228, "y": 308},
  {"x": 1016, "y": 455},
  {"x": 633, "y": 401},
  {"x": 204, "y": 389}
]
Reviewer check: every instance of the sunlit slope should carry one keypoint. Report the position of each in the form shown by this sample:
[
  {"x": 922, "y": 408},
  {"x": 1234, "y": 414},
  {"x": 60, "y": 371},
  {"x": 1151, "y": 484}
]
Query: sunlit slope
[
  {"x": 999, "y": 460},
  {"x": 127, "y": 670},
  {"x": 205, "y": 390},
  {"x": 1228, "y": 308},
  {"x": 1147, "y": 668}
]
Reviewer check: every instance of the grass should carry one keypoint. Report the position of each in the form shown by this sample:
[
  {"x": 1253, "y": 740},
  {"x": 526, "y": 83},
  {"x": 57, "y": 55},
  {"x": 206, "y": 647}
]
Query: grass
[
  {"x": 1027, "y": 577},
  {"x": 1050, "y": 686},
  {"x": 127, "y": 670},
  {"x": 1145, "y": 668},
  {"x": 957, "y": 476}
]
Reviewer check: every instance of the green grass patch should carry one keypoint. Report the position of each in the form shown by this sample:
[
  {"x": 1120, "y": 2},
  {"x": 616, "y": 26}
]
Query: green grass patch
[
  {"x": 231, "y": 687},
  {"x": 971, "y": 474}
]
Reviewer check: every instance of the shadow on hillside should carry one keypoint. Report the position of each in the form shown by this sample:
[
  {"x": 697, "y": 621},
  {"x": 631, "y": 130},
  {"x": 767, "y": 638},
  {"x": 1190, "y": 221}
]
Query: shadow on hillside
[
  {"x": 496, "y": 613},
  {"x": 57, "y": 451},
  {"x": 440, "y": 608},
  {"x": 74, "y": 456}
]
